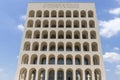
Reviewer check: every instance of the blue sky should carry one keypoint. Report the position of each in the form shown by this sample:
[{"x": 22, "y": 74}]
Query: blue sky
[{"x": 12, "y": 14}]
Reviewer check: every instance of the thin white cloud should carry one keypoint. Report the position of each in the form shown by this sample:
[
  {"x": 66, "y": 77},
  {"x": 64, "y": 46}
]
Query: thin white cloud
[
  {"x": 20, "y": 27},
  {"x": 115, "y": 11},
  {"x": 111, "y": 57},
  {"x": 116, "y": 48},
  {"x": 109, "y": 28},
  {"x": 118, "y": 69},
  {"x": 3, "y": 74},
  {"x": 23, "y": 17}
]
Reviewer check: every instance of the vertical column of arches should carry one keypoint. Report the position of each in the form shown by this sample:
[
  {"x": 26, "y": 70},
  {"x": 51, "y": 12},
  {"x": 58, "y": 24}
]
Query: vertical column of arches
[
  {"x": 23, "y": 74},
  {"x": 61, "y": 24},
  {"x": 60, "y": 34},
  {"x": 25, "y": 59},
  {"x": 37, "y": 23},
  {"x": 94, "y": 46},
  {"x": 30, "y": 23},
  {"x": 31, "y": 13},
  {"x": 28, "y": 34},
  {"x": 34, "y": 59},
  {"x": 61, "y": 13},
  {"x": 43, "y": 46},
  {"x": 53, "y": 13},
  {"x": 32, "y": 74},
  {"x": 36, "y": 34},
  {"x": 27, "y": 46},
  {"x": 52, "y": 46},
  {"x": 60, "y": 46},
  {"x": 39, "y": 13},
  {"x": 35, "y": 46}
]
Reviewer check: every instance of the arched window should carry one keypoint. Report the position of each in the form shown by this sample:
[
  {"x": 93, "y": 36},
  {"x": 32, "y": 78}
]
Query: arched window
[
  {"x": 32, "y": 74},
  {"x": 61, "y": 24},
  {"x": 94, "y": 46},
  {"x": 44, "y": 34},
  {"x": 61, "y": 13},
  {"x": 77, "y": 46},
  {"x": 93, "y": 35},
  {"x": 85, "y": 46},
  {"x": 52, "y": 46},
  {"x": 68, "y": 24},
  {"x": 69, "y": 60},
  {"x": 23, "y": 74},
  {"x": 27, "y": 46},
  {"x": 28, "y": 34},
  {"x": 84, "y": 24},
  {"x": 69, "y": 75},
  {"x": 97, "y": 74},
  {"x": 51, "y": 75},
  {"x": 91, "y": 24},
  {"x": 90, "y": 13},
  {"x": 87, "y": 60},
  {"x": 60, "y": 75},
  {"x": 96, "y": 60},
  {"x": 39, "y": 13},
  {"x": 53, "y": 13},
  {"x": 88, "y": 74},
  {"x": 79, "y": 74},
  {"x": 60, "y": 60},
  {"x": 52, "y": 35},
  {"x": 35, "y": 46},
  {"x": 85, "y": 35},
  {"x": 83, "y": 14},
  {"x": 42, "y": 59},
  {"x": 34, "y": 59},
  {"x": 46, "y": 13},
  {"x": 53, "y": 23},
  {"x": 45, "y": 23},
  {"x": 60, "y": 35},
  {"x": 75, "y": 13},
  {"x": 76, "y": 35},
  {"x": 68, "y": 13},
  {"x": 38, "y": 24},
  {"x": 76, "y": 24},
  {"x": 51, "y": 59},
  {"x": 30, "y": 23},
  {"x": 37, "y": 34},
  {"x": 44, "y": 46},
  {"x": 68, "y": 35},
  {"x": 41, "y": 75},
  {"x": 77, "y": 61},
  {"x": 60, "y": 46},
  {"x": 25, "y": 59},
  {"x": 31, "y": 13},
  {"x": 69, "y": 46}
]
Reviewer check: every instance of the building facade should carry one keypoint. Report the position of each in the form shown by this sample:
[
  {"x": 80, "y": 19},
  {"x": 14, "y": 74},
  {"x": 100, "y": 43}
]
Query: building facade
[{"x": 61, "y": 42}]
